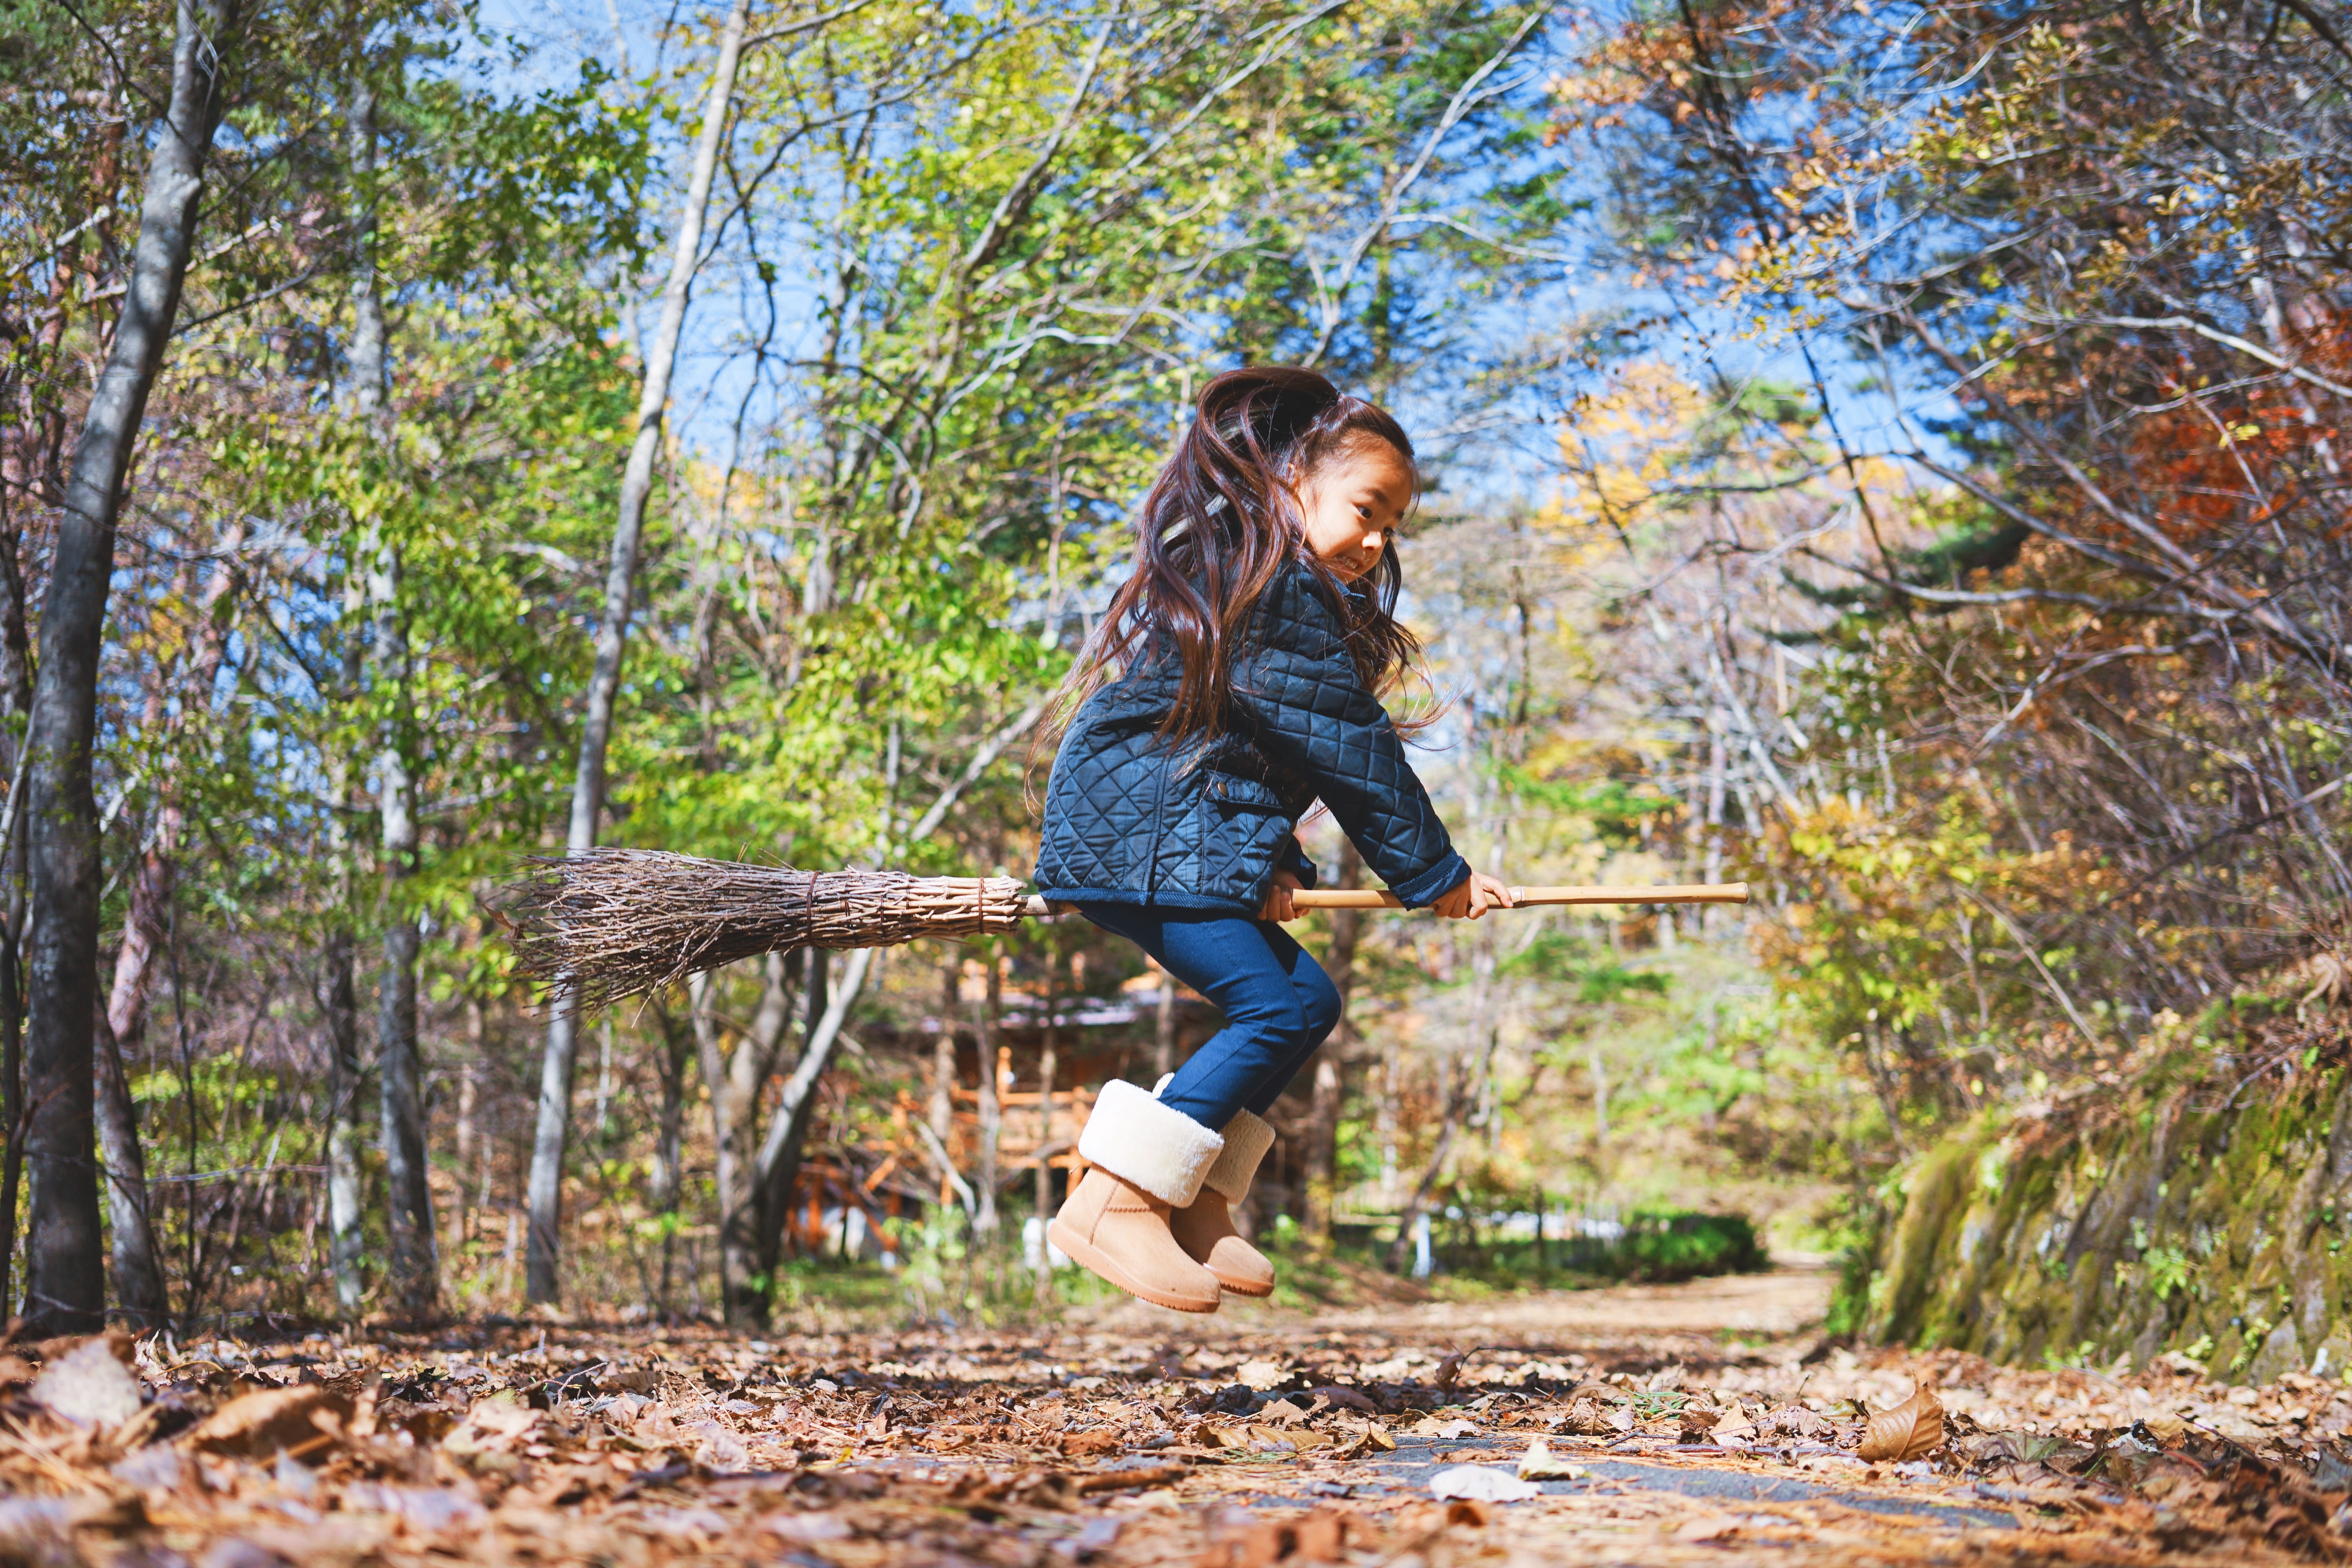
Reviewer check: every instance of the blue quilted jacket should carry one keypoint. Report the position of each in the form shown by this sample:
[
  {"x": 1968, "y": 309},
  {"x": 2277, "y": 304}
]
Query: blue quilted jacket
[{"x": 1134, "y": 818}]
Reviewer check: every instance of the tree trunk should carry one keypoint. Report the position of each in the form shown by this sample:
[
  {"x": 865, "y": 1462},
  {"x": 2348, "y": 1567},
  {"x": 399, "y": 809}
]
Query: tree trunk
[
  {"x": 727, "y": 1154},
  {"x": 605, "y": 682},
  {"x": 31, "y": 467},
  {"x": 779, "y": 1153},
  {"x": 400, "y": 1079},
  {"x": 65, "y": 1283},
  {"x": 734, "y": 1082},
  {"x": 469, "y": 1118},
  {"x": 138, "y": 1272},
  {"x": 991, "y": 1109},
  {"x": 12, "y": 1044},
  {"x": 678, "y": 1042},
  {"x": 338, "y": 1004},
  {"x": 346, "y": 1197},
  {"x": 943, "y": 1051},
  {"x": 1323, "y": 1108},
  {"x": 399, "y": 1064},
  {"x": 778, "y": 1174},
  {"x": 399, "y": 1067}
]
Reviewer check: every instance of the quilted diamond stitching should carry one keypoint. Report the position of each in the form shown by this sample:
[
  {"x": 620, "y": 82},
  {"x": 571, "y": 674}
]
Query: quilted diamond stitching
[{"x": 1302, "y": 724}]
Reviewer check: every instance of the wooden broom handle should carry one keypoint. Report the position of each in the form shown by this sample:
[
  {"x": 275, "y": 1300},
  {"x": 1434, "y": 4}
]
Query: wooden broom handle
[
  {"x": 1686, "y": 893},
  {"x": 1377, "y": 898}
]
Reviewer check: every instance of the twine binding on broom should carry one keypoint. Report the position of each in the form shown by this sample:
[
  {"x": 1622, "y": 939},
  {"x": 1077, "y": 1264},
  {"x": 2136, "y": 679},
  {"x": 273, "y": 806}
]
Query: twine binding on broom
[{"x": 610, "y": 924}]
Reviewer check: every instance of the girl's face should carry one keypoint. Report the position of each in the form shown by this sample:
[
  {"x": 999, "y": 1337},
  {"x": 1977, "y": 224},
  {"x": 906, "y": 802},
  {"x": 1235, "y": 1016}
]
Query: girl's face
[{"x": 1353, "y": 503}]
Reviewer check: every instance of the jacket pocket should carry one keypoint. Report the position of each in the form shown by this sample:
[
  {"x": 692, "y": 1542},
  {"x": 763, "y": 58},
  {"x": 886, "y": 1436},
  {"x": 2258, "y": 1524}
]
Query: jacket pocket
[{"x": 1238, "y": 793}]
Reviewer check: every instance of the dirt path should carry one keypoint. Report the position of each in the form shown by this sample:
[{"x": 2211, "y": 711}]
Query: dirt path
[
  {"x": 1686, "y": 1424},
  {"x": 1776, "y": 1305}
]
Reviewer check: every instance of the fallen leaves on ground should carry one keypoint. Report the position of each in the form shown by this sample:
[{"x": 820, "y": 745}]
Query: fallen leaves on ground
[
  {"x": 1912, "y": 1430},
  {"x": 1417, "y": 1433}
]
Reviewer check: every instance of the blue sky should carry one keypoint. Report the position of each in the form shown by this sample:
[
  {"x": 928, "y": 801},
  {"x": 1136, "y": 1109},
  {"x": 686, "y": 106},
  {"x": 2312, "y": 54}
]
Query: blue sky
[{"x": 1507, "y": 455}]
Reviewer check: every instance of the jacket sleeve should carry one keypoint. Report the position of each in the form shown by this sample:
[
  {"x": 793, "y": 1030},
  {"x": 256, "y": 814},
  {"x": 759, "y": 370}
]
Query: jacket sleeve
[{"x": 1297, "y": 695}]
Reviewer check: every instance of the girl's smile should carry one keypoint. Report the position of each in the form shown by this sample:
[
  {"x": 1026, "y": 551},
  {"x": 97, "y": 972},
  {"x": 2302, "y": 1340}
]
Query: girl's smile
[{"x": 1351, "y": 503}]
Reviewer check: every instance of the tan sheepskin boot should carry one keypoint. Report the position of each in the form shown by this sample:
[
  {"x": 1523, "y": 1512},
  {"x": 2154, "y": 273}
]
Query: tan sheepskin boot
[
  {"x": 1204, "y": 1229},
  {"x": 1147, "y": 1159}
]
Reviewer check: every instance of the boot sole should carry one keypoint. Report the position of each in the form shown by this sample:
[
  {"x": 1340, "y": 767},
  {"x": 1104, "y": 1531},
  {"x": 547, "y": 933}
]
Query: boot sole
[
  {"x": 1256, "y": 1292},
  {"x": 1088, "y": 1257}
]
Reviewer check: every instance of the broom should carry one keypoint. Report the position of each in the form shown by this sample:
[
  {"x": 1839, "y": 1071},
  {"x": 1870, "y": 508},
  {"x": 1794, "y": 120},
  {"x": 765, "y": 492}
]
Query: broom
[{"x": 614, "y": 923}]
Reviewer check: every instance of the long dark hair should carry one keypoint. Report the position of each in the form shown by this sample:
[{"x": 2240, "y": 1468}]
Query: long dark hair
[{"x": 1218, "y": 525}]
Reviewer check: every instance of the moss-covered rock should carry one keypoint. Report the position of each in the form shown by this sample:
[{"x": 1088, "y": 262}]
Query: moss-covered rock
[{"x": 2117, "y": 1223}]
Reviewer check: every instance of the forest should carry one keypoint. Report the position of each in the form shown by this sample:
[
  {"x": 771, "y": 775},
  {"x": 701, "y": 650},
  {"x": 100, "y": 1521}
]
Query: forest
[{"x": 1888, "y": 454}]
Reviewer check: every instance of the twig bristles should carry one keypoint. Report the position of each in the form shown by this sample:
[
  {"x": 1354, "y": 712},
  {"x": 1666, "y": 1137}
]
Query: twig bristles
[{"x": 616, "y": 923}]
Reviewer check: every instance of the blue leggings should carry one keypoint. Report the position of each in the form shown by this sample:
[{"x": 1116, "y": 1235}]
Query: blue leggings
[{"x": 1277, "y": 1001}]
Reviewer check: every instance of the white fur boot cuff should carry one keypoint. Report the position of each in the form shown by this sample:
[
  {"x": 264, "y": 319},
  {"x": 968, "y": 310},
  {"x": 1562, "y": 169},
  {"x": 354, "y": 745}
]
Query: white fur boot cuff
[
  {"x": 1247, "y": 1138},
  {"x": 1155, "y": 1146}
]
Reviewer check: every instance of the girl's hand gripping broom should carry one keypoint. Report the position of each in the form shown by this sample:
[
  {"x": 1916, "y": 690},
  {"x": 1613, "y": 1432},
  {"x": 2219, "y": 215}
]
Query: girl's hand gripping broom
[{"x": 616, "y": 923}]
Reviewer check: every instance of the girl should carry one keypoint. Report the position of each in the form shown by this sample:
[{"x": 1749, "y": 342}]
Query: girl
[{"x": 1234, "y": 681}]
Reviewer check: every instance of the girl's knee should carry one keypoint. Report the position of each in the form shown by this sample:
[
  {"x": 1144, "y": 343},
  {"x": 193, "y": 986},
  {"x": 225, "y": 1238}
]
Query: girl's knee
[
  {"x": 1270, "y": 1015},
  {"x": 1319, "y": 1006}
]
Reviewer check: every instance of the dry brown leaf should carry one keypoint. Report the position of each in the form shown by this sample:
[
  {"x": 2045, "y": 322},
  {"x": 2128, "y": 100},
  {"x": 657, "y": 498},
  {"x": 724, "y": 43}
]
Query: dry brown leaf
[
  {"x": 89, "y": 1385},
  {"x": 1357, "y": 1438},
  {"x": 1347, "y": 1397},
  {"x": 1734, "y": 1429},
  {"x": 122, "y": 1342},
  {"x": 1586, "y": 1419},
  {"x": 1911, "y": 1430},
  {"x": 263, "y": 1422},
  {"x": 1705, "y": 1527}
]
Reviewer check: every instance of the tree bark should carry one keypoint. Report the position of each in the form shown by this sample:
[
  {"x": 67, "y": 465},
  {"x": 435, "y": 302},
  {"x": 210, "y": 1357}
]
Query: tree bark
[
  {"x": 779, "y": 1153},
  {"x": 12, "y": 1042},
  {"x": 138, "y": 1270},
  {"x": 65, "y": 1284},
  {"x": 734, "y": 1080},
  {"x": 678, "y": 1042},
  {"x": 943, "y": 1050},
  {"x": 415, "y": 1267},
  {"x": 346, "y": 1196},
  {"x": 340, "y": 1017},
  {"x": 991, "y": 1108},
  {"x": 604, "y": 683},
  {"x": 779, "y": 1170},
  {"x": 28, "y": 466}
]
